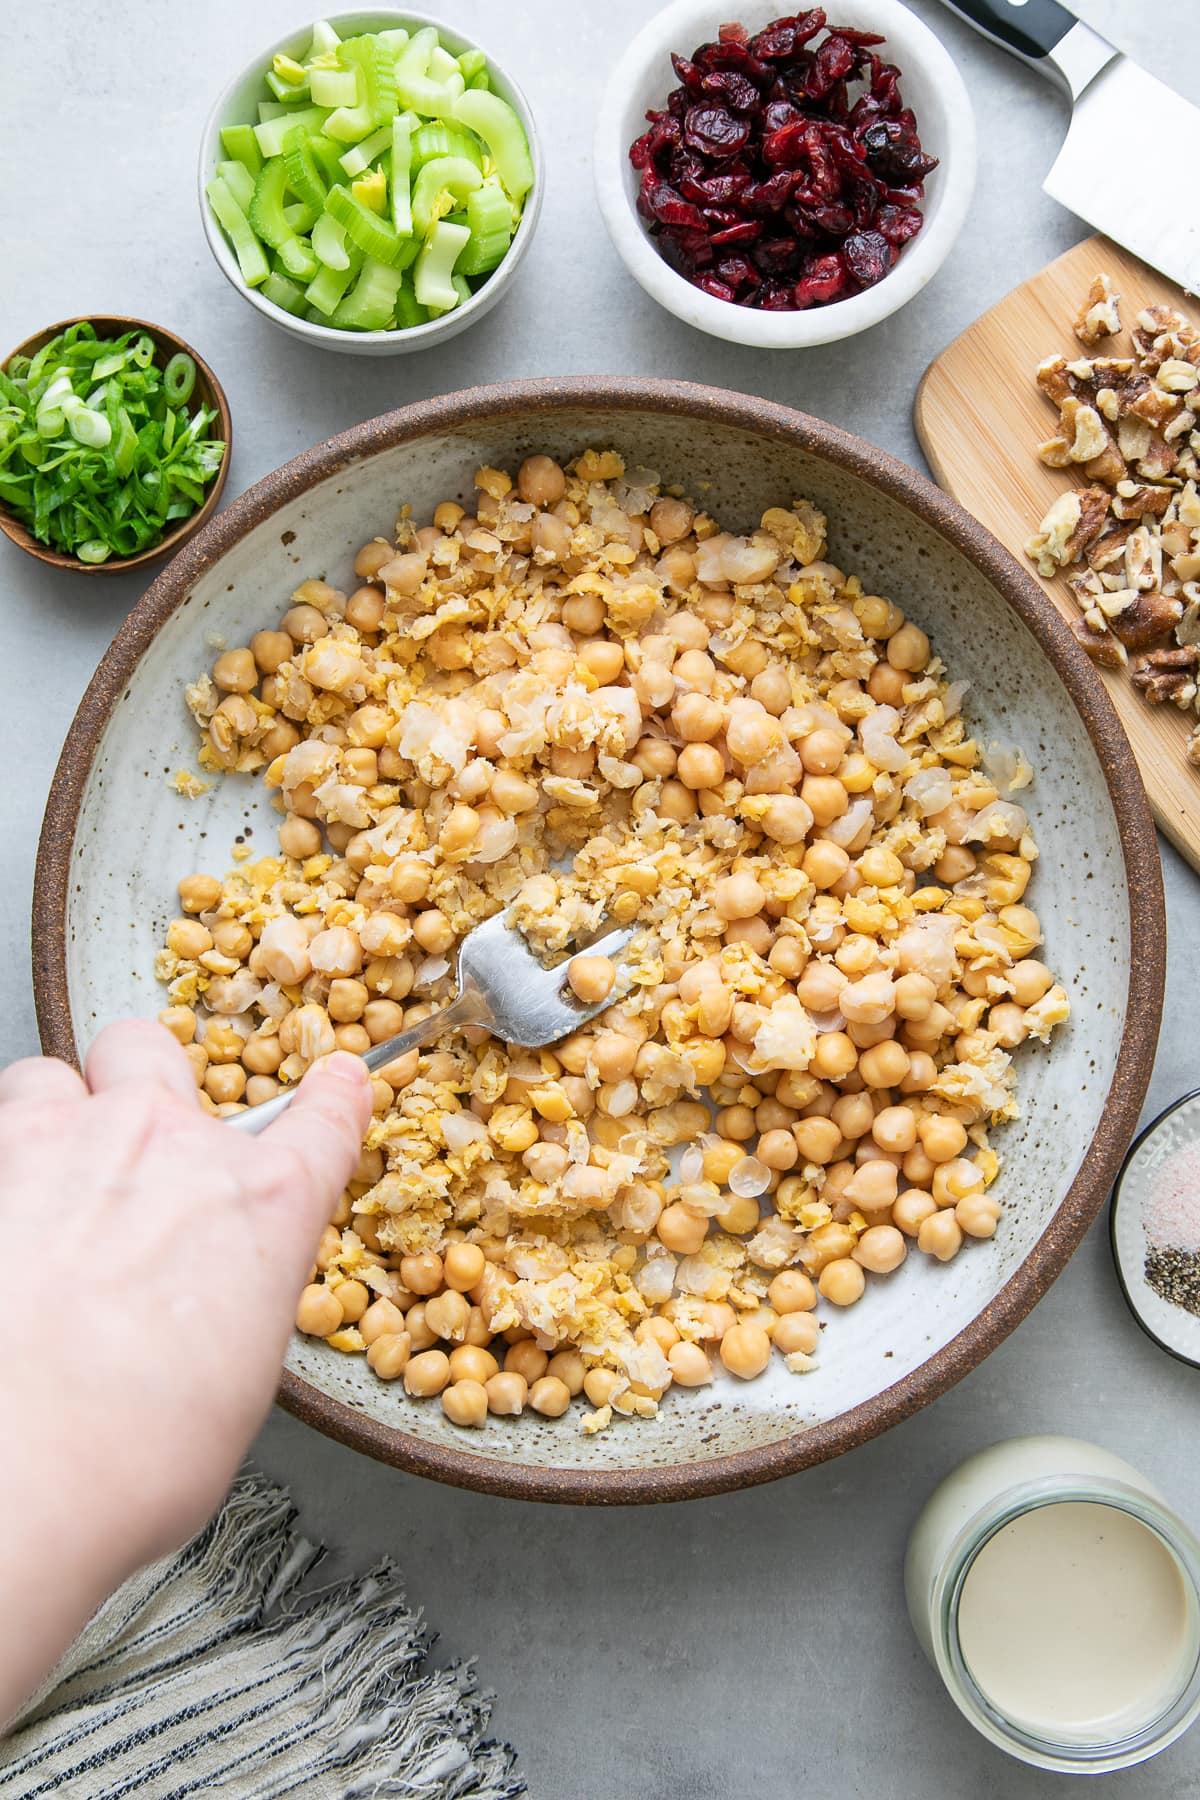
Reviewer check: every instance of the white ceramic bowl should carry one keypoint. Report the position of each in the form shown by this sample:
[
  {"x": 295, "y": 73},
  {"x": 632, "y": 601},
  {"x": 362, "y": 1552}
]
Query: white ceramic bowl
[
  {"x": 118, "y": 837},
  {"x": 238, "y": 106},
  {"x": 930, "y": 84}
]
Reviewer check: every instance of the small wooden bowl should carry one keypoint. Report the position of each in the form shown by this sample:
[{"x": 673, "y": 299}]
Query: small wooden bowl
[{"x": 208, "y": 391}]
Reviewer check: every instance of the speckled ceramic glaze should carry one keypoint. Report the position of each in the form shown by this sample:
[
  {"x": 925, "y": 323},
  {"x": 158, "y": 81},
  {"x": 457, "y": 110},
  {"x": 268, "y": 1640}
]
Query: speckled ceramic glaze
[{"x": 117, "y": 838}]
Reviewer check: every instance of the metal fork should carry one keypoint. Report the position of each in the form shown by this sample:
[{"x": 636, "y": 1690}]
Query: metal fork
[{"x": 501, "y": 985}]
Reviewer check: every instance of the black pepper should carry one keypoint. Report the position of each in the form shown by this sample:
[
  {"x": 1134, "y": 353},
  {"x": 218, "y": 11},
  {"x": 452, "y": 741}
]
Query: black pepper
[{"x": 1175, "y": 1276}]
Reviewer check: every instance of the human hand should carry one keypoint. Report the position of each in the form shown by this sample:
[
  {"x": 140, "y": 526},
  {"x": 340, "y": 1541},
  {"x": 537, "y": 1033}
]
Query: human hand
[{"x": 154, "y": 1258}]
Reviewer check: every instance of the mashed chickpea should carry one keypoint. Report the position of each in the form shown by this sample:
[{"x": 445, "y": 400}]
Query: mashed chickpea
[{"x": 582, "y": 699}]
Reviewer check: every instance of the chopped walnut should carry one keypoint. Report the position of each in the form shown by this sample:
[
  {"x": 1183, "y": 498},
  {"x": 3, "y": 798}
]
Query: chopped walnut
[
  {"x": 1128, "y": 545},
  {"x": 1100, "y": 316}
]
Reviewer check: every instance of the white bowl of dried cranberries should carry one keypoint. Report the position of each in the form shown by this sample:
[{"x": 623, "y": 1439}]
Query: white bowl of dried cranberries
[{"x": 781, "y": 182}]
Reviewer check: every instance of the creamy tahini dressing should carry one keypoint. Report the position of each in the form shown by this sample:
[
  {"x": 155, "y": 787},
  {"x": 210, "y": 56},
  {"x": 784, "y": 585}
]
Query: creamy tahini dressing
[{"x": 1073, "y": 1620}]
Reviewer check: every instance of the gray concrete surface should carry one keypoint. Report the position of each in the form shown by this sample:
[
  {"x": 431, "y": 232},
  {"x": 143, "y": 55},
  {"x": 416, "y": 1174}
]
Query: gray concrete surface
[{"x": 755, "y": 1643}]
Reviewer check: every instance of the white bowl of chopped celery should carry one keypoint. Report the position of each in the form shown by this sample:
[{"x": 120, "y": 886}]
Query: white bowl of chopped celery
[{"x": 371, "y": 182}]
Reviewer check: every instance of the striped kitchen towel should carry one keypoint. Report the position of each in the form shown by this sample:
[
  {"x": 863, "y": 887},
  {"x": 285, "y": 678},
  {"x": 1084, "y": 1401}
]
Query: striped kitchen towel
[{"x": 230, "y": 1670}]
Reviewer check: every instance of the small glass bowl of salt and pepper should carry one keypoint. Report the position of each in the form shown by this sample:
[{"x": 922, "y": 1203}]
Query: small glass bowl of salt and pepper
[{"x": 1155, "y": 1227}]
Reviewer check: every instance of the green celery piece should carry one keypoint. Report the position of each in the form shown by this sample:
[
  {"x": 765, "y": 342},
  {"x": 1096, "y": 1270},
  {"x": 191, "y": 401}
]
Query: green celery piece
[
  {"x": 238, "y": 180},
  {"x": 450, "y": 176},
  {"x": 395, "y": 39},
  {"x": 409, "y": 310},
  {"x": 329, "y": 243},
  {"x": 372, "y": 301},
  {"x": 282, "y": 292},
  {"x": 361, "y": 156},
  {"x": 432, "y": 99},
  {"x": 271, "y": 133},
  {"x": 402, "y": 142},
  {"x": 481, "y": 82},
  {"x": 289, "y": 70},
  {"x": 270, "y": 109},
  {"x": 249, "y": 252},
  {"x": 324, "y": 40},
  {"x": 303, "y": 176},
  {"x": 470, "y": 64},
  {"x": 285, "y": 91},
  {"x": 374, "y": 236},
  {"x": 494, "y": 120},
  {"x": 441, "y": 64},
  {"x": 414, "y": 57},
  {"x": 327, "y": 155},
  {"x": 435, "y": 138},
  {"x": 435, "y": 265},
  {"x": 300, "y": 216},
  {"x": 328, "y": 285},
  {"x": 376, "y": 67},
  {"x": 461, "y": 286},
  {"x": 268, "y": 220},
  {"x": 489, "y": 215},
  {"x": 334, "y": 87},
  {"x": 238, "y": 142}
]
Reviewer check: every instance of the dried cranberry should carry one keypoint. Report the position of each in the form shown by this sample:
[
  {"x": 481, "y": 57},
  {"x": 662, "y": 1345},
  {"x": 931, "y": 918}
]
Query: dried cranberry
[
  {"x": 893, "y": 154},
  {"x": 834, "y": 221},
  {"x": 709, "y": 284},
  {"x": 733, "y": 33},
  {"x": 787, "y": 147},
  {"x": 834, "y": 60},
  {"x": 776, "y": 256},
  {"x": 859, "y": 37},
  {"x": 868, "y": 256},
  {"x": 824, "y": 279},
  {"x": 768, "y": 196},
  {"x": 733, "y": 89},
  {"x": 713, "y": 131},
  {"x": 670, "y": 208},
  {"x": 738, "y": 272},
  {"x": 715, "y": 190},
  {"x": 783, "y": 38},
  {"x": 745, "y": 231},
  {"x": 688, "y": 73},
  {"x": 777, "y": 113},
  {"x": 898, "y": 223}
]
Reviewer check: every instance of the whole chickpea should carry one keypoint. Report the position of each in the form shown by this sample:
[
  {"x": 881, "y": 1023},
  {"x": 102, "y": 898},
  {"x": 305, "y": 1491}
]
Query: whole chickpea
[
  {"x": 541, "y": 481},
  {"x": 745, "y": 1351},
  {"x": 940, "y": 1235},
  {"x": 792, "y": 1292},
  {"x": 978, "y": 1215},
  {"x": 1029, "y": 980},
  {"x": 388, "y": 1354},
  {"x": 881, "y": 1248},
  {"x": 318, "y": 1313},
  {"x": 426, "y": 1374},
  {"x": 550, "y": 1397},
  {"x": 841, "y": 1282},
  {"x": 942, "y": 1138},
  {"x": 689, "y": 1365},
  {"x": 796, "y": 1331},
  {"x": 739, "y": 896},
  {"x": 507, "y": 1394},
  {"x": 526, "y": 1359},
  {"x": 465, "y": 1403},
  {"x": 913, "y": 1207}
]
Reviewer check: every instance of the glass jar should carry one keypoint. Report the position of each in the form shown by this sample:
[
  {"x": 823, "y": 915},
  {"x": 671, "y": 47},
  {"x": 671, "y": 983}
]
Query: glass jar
[{"x": 977, "y": 1500}]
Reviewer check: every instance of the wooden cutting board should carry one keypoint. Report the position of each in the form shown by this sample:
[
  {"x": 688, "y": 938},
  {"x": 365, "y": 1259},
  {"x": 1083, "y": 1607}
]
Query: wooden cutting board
[{"x": 980, "y": 417}]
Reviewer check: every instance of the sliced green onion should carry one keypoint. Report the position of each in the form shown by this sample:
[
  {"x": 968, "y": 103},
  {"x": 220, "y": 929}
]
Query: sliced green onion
[
  {"x": 498, "y": 125},
  {"x": 179, "y": 378},
  {"x": 87, "y": 427},
  {"x": 440, "y": 184},
  {"x": 239, "y": 142},
  {"x": 94, "y": 550},
  {"x": 233, "y": 221},
  {"x": 435, "y": 265}
]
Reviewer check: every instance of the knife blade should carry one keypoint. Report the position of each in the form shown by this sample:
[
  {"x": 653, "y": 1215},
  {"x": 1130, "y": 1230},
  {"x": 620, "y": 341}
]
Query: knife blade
[{"x": 1132, "y": 142}]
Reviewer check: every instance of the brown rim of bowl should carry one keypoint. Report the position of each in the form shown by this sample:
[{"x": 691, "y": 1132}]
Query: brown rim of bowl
[
  {"x": 114, "y": 325},
  {"x": 1147, "y": 924}
]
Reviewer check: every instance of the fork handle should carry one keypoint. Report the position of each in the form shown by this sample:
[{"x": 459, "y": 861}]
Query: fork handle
[{"x": 467, "y": 1009}]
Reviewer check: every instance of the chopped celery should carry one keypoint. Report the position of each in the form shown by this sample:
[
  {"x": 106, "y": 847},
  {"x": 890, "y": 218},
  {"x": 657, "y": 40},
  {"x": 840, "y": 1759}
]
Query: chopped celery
[
  {"x": 433, "y": 99},
  {"x": 441, "y": 64},
  {"x": 282, "y": 292},
  {"x": 239, "y": 181},
  {"x": 414, "y": 57},
  {"x": 402, "y": 139},
  {"x": 371, "y": 190},
  {"x": 371, "y": 303},
  {"x": 472, "y": 63},
  {"x": 395, "y": 38},
  {"x": 238, "y": 142},
  {"x": 435, "y": 265},
  {"x": 289, "y": 70},
  {"x": 271, "y": 133},
  {"x": 481, "y": 81},
  {"x": 334, "y": 87},
  {"x": 376, "y": 66},
  {"x": 328, "y": 155},
  {"x": 409, "y": 310},
  {"x": 361, "y": 156},
  {"x": 434, "y": 138},
  {"x": 489, "y": 215},
  {"x": 268, "y": 220},
  {"x": 252, "y": 260},
  {"x": 498, "y": 125},
  {"x": 373, "y": 235},
  {"x": 328, "y": 285},
  {"x": 286, "y": 91},
  {"x": 324, "y": 40},
  {"x": 270, "y": 109},
  {"x": 303, "y": 176},
  {"x": 329, "y": 243},
  {"x": 299, "y": 215},
  {"x": 438, "y": 185}
]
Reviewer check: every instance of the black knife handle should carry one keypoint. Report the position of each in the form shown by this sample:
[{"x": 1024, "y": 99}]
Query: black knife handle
[{"x": 1029, "y": 28}]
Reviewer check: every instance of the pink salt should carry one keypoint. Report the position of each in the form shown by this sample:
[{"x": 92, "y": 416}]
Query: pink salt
[{"x": 1171, "y": 1213}]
